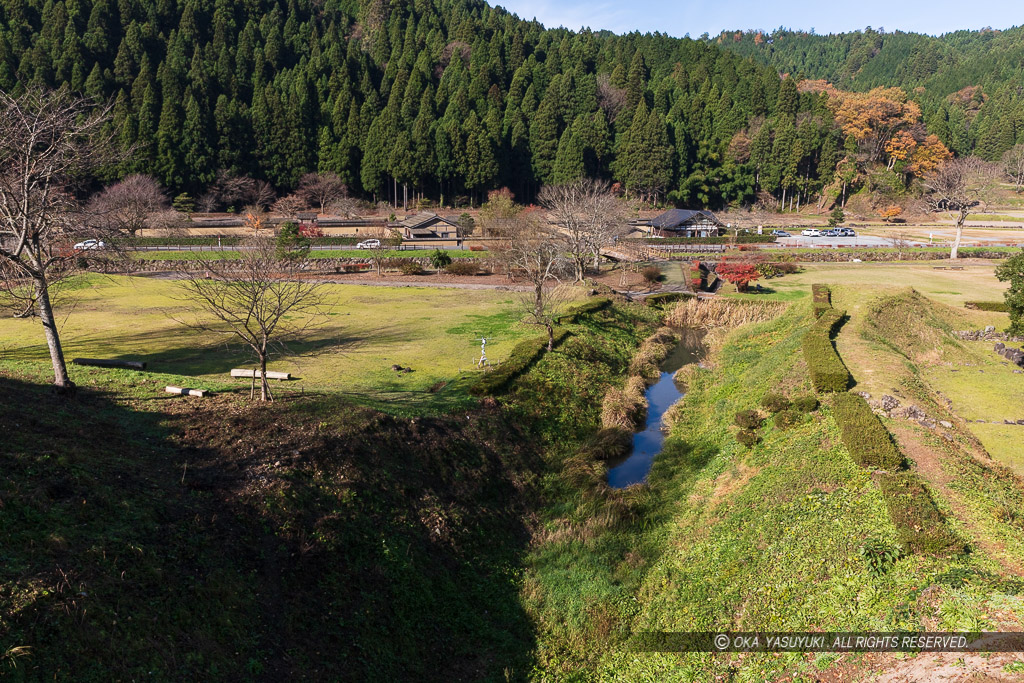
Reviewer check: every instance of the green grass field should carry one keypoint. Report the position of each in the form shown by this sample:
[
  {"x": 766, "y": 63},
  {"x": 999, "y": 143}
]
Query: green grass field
[
  {"x": 367, "y": 330},
  {"x": 976, "y": 282}
]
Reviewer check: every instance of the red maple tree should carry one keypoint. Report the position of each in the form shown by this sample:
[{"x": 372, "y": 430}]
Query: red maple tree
[{"x": 739, "y": 273}]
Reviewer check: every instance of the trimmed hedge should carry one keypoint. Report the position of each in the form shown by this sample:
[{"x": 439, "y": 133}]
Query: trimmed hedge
[
  {"x": 573, "y": 313},
  {"x": 659, "y": 300},
  {"x": 523, "y": 355},
  {"x": 994, "y": 306},
  {"x": 828, "y": 373},
  {"x": 864, "y": 435},
  {"x": 921, "y": 526},
  {"x": 822, "y": 299}
]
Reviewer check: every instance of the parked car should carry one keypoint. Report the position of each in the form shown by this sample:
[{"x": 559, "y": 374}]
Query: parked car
[
  {"x": 830, "y": 233},
  {"x": 847, "y": 232},
  {"x": 368, "y": 244},
  {"x": 811, "y": 232},
  {"x": 90, "y": 244},
  {"x": 780, "y": 233}
]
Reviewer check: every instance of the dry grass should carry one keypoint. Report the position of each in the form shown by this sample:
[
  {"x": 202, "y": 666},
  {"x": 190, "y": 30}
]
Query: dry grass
[
  {"x": 625, "y": 407},
  {"x": 713, "y": 313},
  {"x": 647, "y": 361}
]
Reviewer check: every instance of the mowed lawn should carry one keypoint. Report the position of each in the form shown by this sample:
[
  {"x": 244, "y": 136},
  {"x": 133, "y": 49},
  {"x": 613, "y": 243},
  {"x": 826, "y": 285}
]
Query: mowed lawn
[
  {"x": 367, "y": 330},
  {"x": 976, "y": 282}
]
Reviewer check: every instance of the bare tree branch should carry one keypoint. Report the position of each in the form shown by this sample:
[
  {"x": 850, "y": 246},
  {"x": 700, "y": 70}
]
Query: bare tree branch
[
  {"x": 589, "y": 217},
  {"x": 957, "y": 188},
  {"x": 261, "y": 300},
  {"x": 48, "y": 141}
]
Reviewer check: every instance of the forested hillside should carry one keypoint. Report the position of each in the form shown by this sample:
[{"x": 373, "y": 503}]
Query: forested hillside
[
  {"x": 969, "y": 83},
  {"x": 449, "y": 97}
]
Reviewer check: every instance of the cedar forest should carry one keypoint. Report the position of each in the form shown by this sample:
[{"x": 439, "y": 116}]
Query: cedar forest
[{"x": 449, "y": 99}]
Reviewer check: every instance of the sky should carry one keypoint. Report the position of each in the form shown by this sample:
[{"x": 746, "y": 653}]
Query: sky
[{"x": 687, "y": 16}]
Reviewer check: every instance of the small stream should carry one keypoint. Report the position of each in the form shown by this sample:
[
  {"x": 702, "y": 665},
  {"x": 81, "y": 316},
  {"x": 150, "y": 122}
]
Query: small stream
[{"x": 661, "y": 396}]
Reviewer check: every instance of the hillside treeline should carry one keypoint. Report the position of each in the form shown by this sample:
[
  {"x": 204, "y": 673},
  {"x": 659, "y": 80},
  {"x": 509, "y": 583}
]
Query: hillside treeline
[
  {"x": 968, "y": 83},
  {"x": 441, "y": 99}
]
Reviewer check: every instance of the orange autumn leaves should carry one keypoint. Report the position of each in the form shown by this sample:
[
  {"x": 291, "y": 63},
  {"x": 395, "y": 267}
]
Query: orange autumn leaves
[
  {"x": 917, "y": 158},
  {"x": 885, "y": 125}
]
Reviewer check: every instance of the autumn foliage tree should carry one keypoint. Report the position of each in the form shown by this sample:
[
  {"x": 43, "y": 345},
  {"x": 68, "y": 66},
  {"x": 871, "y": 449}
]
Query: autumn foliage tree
[
  {"x": 739, "y": 273},
  {"x": 890, "y": 212}
]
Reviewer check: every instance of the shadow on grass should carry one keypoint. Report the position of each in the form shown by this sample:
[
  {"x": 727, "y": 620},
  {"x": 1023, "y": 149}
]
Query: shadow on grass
[{"x": 214, "y": 540}]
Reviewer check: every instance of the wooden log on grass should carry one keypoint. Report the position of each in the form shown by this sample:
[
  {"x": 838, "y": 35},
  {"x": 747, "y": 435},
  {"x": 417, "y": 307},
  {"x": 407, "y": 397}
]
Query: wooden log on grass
[
  {"x": 182, "y": 391},
  {"x": 251, "y": 374},
  {"x": 105, "y": 363}
]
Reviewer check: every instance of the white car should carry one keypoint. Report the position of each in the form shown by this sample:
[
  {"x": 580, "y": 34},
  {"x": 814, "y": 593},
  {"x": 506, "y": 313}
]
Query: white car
[
  {"x": 811, "y": 232},
  {"x": 90, "y": 244},
  {"x": 368, "y": 244}
]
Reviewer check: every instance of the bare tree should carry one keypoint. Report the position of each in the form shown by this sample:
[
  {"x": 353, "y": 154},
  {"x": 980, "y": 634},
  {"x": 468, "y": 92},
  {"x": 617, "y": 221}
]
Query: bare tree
[
  {"x": 260, "y": 299},
  {"x": 290, "y": 206},
  {"x": 262, "y": 194},
  {"x": 899, "y": 241},
  {"x": 125, "y": 206},
  {"x": 589, "y": 216},
  {"x": 48, "y": 139},
  {"x": 957, "y": 188},
  {"x": 344, "y": 206},
  {"x": 321, "y": 189},
  {"x": 1013, "y": 165},
  {"x": 382, "y": 241},
  {"x": 534, "y": 252}
]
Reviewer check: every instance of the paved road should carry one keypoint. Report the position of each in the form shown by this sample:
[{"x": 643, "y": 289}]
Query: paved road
[{"x": 316, "y": 247}]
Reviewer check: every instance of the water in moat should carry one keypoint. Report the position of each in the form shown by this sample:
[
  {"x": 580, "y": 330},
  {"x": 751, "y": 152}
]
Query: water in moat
[{"x": 661, "y": 396}]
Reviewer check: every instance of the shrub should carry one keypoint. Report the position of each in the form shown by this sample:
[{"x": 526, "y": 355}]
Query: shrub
[
  {"x": 994, "y": 306},
  {"x": 784, "y": 419},
  {"x": 786, "y": 268},
  {"x": 806, "y": 403},
  {"x": 462, "y": 267},
  {"x": 748, "y": 419},
  {"x": 823, "y": 363},
  {"x": 773, "y": 402},
  {"x": 738, "y": 273},
  {"x": 767, "y": 270},
  {"x": 879, "y": 556},
  {"x": 477, "y": 247},
  {"x": 524, "y": 354},
  {"x": 651, "y": 274},
  {"x": 439, "y": 259},
  {"x": 864, "y": 435},
  {"x": 920, "y": 524},
  {"x": 748, "y": 437},
  {"x": 410, "y": 267}
]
